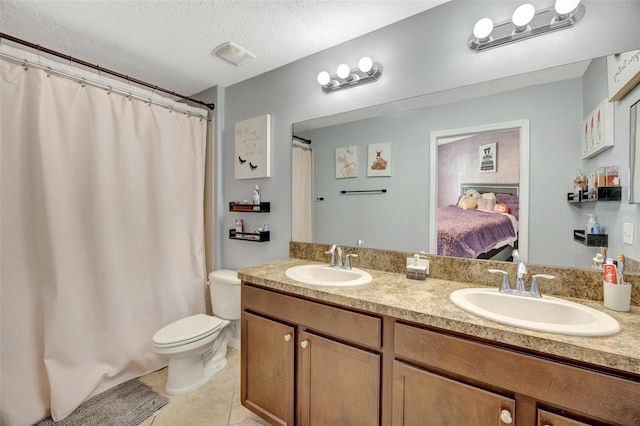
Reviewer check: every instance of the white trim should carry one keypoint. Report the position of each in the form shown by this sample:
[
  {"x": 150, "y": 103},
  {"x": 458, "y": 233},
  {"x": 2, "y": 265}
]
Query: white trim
[{"x": 434, "y": 137}]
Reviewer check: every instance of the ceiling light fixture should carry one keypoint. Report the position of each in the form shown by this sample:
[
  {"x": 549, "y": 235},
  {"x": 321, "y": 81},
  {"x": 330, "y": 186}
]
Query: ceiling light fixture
[
  {"x": 234, "y": 54},
  {"x": 368, "y": 71},
  {"x": 525, "y": 23}
]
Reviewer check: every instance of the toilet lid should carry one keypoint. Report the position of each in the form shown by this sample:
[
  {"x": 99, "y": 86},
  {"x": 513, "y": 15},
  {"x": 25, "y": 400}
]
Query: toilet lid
[{"x": 191, "y": 328}]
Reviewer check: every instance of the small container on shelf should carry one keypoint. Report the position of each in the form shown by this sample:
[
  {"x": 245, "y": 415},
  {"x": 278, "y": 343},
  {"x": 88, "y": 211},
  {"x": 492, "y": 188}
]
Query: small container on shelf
[{"x": 612, "y": 178}]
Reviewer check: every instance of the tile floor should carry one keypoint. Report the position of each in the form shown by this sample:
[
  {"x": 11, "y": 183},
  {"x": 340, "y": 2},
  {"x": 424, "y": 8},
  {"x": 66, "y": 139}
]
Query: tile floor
[{"x": 217, "y": 403}]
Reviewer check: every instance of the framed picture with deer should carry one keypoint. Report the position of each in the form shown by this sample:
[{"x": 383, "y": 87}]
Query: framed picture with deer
[{"x": 379, "y": 160}]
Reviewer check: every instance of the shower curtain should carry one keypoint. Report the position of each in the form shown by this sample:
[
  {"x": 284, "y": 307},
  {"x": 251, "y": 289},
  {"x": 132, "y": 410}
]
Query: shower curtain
[
  {"x": 301, "y": 193},
  {"x": 102, "y": 238}
]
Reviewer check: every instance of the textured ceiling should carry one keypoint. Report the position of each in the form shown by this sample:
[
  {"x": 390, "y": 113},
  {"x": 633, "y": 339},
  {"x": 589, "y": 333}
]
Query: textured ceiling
[{"x": 169, "y": 43}]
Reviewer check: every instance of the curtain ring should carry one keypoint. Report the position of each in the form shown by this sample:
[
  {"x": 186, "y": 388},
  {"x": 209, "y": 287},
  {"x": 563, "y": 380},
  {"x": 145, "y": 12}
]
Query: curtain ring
[
  {"x": 149, "y": 102},
  {"x": 83, "y": 82},
  {"x": 129, "y": 96},
  {"x": 109, "y": 90},
  {"x": 48, "y": 71},
  {"x": 170, "y": 108},
  {"x": 99, "y": 71},
  {"x": 25, "y": 65},
  {"x": 201, "y": 117}
]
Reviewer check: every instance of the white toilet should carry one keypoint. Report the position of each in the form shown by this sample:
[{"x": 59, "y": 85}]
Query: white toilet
[{"x": 197, "y": 345}]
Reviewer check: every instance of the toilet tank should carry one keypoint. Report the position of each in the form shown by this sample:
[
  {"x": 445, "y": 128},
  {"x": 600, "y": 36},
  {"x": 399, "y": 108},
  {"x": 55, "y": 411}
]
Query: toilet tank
[{"x": 224, "y": 289}]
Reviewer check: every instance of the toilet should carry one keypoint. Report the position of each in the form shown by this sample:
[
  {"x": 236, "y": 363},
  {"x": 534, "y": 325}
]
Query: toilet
[{"x": 197, "y": 345}]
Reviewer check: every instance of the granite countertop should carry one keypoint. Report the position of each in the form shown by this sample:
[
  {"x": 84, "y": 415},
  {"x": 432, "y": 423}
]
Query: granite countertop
[{"x": 427, "y": 302}]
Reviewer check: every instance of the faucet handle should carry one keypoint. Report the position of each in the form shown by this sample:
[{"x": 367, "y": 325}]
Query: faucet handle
[
  {"x": 534, "y": 290},
  {"x": 331, "y": 251},
  {"x": 505, "y": 287},
  {"x": 347, "y": 265}
]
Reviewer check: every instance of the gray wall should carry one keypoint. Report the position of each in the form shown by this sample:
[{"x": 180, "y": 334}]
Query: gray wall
[{"x": 424, "y": 54}]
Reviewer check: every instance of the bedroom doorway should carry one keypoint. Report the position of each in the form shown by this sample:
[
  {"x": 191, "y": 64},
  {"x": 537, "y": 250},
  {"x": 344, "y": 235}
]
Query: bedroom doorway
[{"x": 488, "y": 159}]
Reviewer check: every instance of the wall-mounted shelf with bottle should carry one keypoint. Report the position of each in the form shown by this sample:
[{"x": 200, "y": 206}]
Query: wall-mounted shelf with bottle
[
  {"x": 590, "y": 240},
  {"x": 604, "y": 193},
  {"x": 258, "y": 237},
  {"x": 249, "y": 208}
]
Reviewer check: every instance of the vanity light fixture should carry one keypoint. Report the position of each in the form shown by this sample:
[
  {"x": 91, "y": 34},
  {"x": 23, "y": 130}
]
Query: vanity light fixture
[
  {"x": 525, "y": 23},
  {"x": 345, "y": 77}
]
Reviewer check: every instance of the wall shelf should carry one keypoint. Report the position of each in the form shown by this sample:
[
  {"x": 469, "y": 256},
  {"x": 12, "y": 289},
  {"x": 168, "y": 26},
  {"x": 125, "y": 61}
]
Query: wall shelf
[
  {"x": 590, "y": 240},
  {"x": 249, "y": 208},
  {"x": 605, "y": 193},
  {"x": 257, "y": 237}
]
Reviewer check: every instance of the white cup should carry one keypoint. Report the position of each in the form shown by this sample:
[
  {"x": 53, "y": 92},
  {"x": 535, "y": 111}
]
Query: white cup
[{"x": 617, "y": 296}]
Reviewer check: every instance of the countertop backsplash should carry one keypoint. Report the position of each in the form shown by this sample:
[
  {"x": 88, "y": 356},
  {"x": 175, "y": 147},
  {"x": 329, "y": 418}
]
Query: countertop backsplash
[{"x": 569, "y": 282}]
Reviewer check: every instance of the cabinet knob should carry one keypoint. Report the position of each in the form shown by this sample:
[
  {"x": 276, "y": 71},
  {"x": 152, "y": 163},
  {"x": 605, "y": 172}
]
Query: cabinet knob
[
  {"x": 304, "y": 344},
  {"x": 287, "y": 337},
  {"x": 505, "y": 417}
]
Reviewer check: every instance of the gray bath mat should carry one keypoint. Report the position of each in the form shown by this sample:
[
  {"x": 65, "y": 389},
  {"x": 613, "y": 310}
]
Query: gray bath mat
[{"x": 127, "y": 404}]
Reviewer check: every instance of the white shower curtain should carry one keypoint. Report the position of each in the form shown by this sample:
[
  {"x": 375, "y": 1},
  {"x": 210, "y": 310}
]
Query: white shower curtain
[
  {"x": 301, "y": 193},
  {"x": 102, "y": 238}
]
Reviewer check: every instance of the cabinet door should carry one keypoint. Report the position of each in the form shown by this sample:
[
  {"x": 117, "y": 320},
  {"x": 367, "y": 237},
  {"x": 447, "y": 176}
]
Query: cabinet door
[
  {"x": 546, "y": 418},
  {"x": 423, "y": 398},
  {"x": 267, "y": 369},
  {"x": 337, "y": 384}
]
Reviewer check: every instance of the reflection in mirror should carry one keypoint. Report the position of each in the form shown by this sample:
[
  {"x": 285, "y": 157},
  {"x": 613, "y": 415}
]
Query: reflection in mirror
[
  {"x": 552, "y": 101},
  {"x": 634, "y": 155},
  {"x": 475, "y": 176}
]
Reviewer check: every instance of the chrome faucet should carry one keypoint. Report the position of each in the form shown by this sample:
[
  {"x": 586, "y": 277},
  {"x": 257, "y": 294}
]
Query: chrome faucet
[
  {"x": 505, "y": 287},
  {"x": 339, "y": 262},
  {"x": 522, "y": 271}
]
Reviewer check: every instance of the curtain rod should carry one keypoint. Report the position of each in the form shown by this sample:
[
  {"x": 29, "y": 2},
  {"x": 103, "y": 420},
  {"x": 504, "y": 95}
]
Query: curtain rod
[
  {"x": 70, "y": 58},
  {"x": 302, "y": 139}
]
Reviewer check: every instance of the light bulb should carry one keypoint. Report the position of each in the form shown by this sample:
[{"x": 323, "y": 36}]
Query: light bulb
[
  {"x": 483, "y": 28},
  {"x": 343, "y": 71},
  {"x": 365, "y": 64},
  {"x": 522, "y": 16},
  {"x": 323, "y": 78},
  {"x": 565, "y": 7}
]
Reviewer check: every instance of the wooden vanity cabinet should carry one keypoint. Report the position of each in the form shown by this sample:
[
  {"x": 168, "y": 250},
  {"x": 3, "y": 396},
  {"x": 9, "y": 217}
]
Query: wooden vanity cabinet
[
  {"x": 419, "y": 395},
  {"x": 486, "y": 380},
  {"x": 306, "y": 363}
]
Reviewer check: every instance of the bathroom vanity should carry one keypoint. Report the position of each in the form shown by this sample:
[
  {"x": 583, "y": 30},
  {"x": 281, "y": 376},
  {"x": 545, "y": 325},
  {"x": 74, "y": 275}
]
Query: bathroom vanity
[{"x": 398, "y": 352}]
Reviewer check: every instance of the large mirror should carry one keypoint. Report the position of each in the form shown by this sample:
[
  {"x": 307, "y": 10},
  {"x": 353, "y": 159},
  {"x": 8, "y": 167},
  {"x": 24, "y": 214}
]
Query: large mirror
[{"x": 349, "y": 204}]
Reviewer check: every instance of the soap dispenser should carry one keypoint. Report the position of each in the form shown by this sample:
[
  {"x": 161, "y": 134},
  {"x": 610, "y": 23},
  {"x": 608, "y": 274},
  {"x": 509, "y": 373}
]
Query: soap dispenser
[
  {"x": 590, "y": 223},
  {"x": 417, "y": 267}
]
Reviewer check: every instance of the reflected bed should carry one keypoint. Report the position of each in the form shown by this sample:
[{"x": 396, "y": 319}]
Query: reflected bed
[{"x": 473, "y": 233}]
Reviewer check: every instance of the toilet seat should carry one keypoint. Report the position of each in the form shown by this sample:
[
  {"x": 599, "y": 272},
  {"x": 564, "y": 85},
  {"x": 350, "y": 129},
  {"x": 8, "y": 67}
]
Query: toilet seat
[{"x": 187, "y": 330}]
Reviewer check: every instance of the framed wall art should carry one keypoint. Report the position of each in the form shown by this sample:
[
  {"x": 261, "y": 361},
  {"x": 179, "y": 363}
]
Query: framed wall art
[
  {"x": 347, "y": 162},
  {"x": 488, "y": 158},
  {"x": 379, "y": 160},
  {"x": 253, "y": 147}
]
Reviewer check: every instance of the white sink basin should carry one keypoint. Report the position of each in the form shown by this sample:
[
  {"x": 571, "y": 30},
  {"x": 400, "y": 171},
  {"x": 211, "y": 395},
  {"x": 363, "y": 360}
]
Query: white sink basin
[
  {"x": 546, "y": 314},
  {"x": 324, "y": 275}
]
